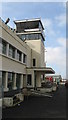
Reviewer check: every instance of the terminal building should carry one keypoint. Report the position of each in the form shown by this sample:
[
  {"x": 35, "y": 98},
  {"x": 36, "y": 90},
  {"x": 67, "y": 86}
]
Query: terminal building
[{"x": 22, "y": 54}]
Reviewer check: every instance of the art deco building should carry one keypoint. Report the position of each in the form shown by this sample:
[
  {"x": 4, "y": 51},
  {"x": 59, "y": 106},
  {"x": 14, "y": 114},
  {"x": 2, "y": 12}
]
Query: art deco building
[{"x": 22, "y": 52}]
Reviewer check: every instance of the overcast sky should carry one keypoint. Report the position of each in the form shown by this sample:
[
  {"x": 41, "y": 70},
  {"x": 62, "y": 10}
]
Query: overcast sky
[{"x": 53, "y": 16}]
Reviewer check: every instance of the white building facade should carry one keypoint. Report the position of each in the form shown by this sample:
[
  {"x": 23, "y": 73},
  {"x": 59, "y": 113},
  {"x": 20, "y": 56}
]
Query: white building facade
[{"x": 22, "y": 52}]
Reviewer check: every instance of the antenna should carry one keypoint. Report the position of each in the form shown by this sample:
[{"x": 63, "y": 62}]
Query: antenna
[{"x": 7, "y": 20}]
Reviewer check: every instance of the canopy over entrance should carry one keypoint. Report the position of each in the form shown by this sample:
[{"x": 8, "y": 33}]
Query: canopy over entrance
[{"x": 46, "y": 70}]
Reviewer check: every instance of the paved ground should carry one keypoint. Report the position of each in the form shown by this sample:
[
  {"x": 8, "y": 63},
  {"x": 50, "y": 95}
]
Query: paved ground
[{"x": 40, "y": 107}]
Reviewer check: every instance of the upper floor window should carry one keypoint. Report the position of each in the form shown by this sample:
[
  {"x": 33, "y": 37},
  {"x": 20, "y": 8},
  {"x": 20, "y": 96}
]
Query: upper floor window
[
  {"x": 4, "y": 47},
  {"x": 34, "y": 62},
  {"x": 19, "y": 54},
  {"x": 11, "y": 51},
  {"x": 24, "y": 58}
]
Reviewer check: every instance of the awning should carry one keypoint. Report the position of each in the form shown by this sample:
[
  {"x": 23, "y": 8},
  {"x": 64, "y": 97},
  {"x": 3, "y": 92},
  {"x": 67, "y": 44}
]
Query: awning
[{"x": 46, "y": 70}]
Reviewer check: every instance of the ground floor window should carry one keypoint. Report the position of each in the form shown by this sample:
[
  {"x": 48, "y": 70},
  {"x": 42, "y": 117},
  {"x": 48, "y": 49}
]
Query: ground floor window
[
  {"x": 0, "y": 78},
  {"x": 3, "y": 78},
  {"x": 18, "y": 78},
  {"x": 10, "y": 80},
  {"x": 13, "y": 80},
  {"x": 29, "y": 79},
  {"x": 0, "y": 84}
]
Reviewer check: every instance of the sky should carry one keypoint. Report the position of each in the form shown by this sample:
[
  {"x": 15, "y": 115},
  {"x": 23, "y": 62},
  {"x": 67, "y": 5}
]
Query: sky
[{"x": 53, "y": 17}]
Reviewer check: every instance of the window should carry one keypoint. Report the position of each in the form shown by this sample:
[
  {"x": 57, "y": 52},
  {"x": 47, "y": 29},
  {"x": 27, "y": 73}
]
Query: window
[
  {"x": 18, "y": 77},
  {"x": 30, "y": 36},
  {"x": 10, "y": 80},
  {"x": 40, "y": 27},
  {"x": 24, "y": 58},
  {"x": 23, "y": 37},
  {"x": 0, "y": 78},
  {"x": 0, "y": 84},
  {"x": 29, "y": 79},
  {"x": 33, "y": 37},
  {"x": 0, "y": 47},
  {"x": 11, "y": 51},
  {"x": 34, "y": 62},
  {"x": 27, "y": 37},
  {"x": 3, "y": 79},
  {"x": 9, "y": 77},
  {"x": 19, "y": 54},
  {"x": 4, "y": 47}
]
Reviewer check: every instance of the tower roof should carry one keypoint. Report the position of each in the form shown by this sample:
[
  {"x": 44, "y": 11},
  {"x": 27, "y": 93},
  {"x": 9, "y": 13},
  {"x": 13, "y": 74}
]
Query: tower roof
[{"x": 29, "y": 21}]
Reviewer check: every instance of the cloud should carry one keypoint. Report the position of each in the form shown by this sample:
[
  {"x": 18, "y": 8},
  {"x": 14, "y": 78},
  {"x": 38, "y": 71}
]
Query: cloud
[
  {"x": 33, "y": 1},
  {"x": 64, "y": 4},
  {"x": 62, "y": 42},
  {"x": 61, "y": 20},
  {"x": 0, "y": 9},
  {"x": 48, "y": 25},
  {"x": 56, "y": 56}
]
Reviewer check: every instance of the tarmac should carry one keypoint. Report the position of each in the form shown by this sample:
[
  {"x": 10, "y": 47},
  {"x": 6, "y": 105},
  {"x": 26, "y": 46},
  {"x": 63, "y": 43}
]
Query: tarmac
[{"x": 39, "y": 107}]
